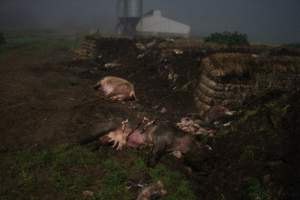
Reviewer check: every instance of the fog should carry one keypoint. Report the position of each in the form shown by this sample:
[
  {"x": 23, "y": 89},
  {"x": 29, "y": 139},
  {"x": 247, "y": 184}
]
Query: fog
[{"x": 270, "y": 21}]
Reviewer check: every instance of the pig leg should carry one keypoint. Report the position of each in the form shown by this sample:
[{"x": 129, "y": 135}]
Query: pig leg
[
  {"x": 159, "y": 149},
  {"x": 119, "y": 97}
]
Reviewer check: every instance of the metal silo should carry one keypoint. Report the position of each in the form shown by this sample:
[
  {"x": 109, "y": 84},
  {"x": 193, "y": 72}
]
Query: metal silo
[
  {"x": 129, "y": 13},
  {"x": 134, "y": 8},
  {"x": 121, "y": 8}
]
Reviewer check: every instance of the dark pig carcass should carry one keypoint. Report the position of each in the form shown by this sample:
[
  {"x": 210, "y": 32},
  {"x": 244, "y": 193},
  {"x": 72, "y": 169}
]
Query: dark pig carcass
[{"x": 162, "y": 136}]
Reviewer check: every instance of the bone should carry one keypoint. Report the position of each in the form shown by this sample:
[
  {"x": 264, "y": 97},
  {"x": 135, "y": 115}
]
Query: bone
[
  {"x": 192, "y": 127},
  {"x": 154, "y": 190}
]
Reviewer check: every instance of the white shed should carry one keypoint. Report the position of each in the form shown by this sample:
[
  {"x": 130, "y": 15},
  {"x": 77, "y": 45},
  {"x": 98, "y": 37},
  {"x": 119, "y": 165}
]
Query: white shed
[{"x": 153, "y": 23}]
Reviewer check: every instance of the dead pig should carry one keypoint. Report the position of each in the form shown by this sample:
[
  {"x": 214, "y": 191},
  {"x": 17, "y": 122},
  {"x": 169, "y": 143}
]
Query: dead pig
[
  {"x": 115, "y": 88},
  {"x": 163, "y": 137},
  {"x": 216, "y": 117},
  {"x": 115, "y": 132},
  {"x": 126, "y": 135}
]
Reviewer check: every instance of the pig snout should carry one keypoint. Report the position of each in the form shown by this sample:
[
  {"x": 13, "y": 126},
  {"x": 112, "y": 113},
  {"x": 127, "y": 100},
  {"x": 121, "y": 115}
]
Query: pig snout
[
  {"x": 104, "y": 140},
  {"x": 97, "y": 86}
]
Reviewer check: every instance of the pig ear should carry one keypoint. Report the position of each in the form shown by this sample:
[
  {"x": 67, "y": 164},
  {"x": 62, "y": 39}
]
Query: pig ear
[{"x": 132, "y": 95}]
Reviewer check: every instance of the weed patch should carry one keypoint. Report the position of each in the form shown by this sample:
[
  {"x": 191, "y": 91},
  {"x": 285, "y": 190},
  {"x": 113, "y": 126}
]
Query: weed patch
[{"x": 64, "y": 172}]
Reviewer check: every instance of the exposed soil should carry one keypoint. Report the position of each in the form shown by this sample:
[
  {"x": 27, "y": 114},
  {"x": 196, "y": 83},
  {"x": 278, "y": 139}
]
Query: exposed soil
[
  {"x": 37, "y": 100},
  {"x": 49, "y": 99}
]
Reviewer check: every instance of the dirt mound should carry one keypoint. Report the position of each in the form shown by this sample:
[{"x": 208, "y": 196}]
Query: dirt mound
[
  {"x": 162, "y": 78},
  {"x": 258, "y": 158}
]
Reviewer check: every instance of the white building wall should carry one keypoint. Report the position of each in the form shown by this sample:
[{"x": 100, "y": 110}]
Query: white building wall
[{"x": 155, "y": 23}]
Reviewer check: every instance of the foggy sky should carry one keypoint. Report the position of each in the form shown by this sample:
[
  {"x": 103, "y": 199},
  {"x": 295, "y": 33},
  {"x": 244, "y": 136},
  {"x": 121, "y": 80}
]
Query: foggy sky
[{"x": 271, "y": 21}]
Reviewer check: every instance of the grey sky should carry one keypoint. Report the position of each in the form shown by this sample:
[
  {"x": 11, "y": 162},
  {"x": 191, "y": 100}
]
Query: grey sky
[{"x": 263, "y": 20}]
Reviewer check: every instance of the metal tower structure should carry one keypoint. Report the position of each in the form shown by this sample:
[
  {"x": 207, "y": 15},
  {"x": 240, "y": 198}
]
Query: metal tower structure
[{"x": 129, "y": 14}]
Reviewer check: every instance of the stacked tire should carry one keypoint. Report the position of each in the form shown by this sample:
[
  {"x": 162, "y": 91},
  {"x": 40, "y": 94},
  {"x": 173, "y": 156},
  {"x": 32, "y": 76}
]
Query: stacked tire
[{"x": 228, "y": 79}]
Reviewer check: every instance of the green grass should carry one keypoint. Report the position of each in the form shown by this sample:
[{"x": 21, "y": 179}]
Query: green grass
[
  {"x": 64, "y": 172},
  {"x": 173, "y": 181},
  {"x": 254, "y": 190}
]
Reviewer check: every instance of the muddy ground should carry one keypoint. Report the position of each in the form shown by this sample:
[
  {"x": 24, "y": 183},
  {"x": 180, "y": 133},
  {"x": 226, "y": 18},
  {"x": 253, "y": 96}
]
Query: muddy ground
[
  {"x": 36, "y": 99},
  {"x": 47, "y": 100}
]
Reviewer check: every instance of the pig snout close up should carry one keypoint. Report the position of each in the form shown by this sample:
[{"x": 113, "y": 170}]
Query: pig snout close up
[{"x": 116, "y": 89}]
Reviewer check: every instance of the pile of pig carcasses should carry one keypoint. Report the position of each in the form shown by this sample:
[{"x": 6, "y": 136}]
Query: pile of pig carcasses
[{"x": 214, "y": 74}]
